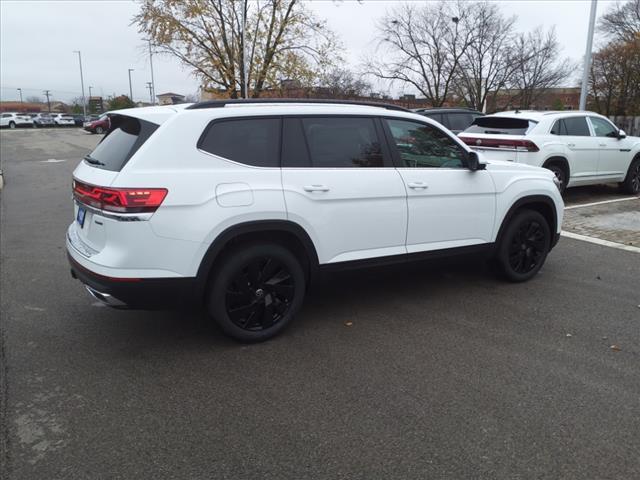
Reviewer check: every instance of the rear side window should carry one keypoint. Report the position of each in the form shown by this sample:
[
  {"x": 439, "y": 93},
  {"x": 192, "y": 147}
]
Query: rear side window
[
  {"x": 342, "y": 142},
  {"x": 252, "y": 141},
  {"x": 572, "y": 126},
  {"x": 501, "y": 125},
  {"x": 126, "y": 136},
  {"x": 435, "y": 116}
]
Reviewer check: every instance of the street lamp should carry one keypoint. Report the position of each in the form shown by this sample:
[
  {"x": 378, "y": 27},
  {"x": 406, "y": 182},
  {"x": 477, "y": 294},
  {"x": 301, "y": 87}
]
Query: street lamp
[
  {"x": 130, "y": 89},
  {"x": 84, "y": 103},
  {"x": 20, "y": 92},
  {"x": 587, "y": 56}
]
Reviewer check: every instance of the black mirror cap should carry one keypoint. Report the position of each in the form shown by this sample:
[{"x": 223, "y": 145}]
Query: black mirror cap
[{"x": 473, "y": 162}]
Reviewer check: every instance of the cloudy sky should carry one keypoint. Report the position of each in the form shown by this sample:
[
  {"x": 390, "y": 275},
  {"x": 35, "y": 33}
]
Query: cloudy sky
[{"x": 38, "y": 39}]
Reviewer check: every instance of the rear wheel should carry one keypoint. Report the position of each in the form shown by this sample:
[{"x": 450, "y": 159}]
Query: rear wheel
[
  {"x": 524, "y": 246},
  {"x": 12, "y": 125},
  {"x": 561, "y": 174},
  {"x": 256, "y": 291},
  {"x": 631, "y": 183}
]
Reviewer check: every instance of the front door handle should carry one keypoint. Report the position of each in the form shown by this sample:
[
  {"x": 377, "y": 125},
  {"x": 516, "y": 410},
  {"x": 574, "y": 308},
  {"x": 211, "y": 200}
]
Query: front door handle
[
  {"x": 602, "y": 144},
  {"x": 571, "y": 145},
  {"x": 417, "y": 185},
  {"x": 316, "y": 188}
]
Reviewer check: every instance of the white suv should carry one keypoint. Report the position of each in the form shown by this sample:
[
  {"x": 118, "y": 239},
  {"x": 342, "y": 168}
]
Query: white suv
[
  {"x": 581, "y": 148},
  {"x": 13, "y": 120},
  {"x": 237, "y": 205}
]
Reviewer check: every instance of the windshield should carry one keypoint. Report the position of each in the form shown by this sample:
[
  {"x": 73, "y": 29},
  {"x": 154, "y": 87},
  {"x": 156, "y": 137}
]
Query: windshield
[{"x": 501, "y": 125}]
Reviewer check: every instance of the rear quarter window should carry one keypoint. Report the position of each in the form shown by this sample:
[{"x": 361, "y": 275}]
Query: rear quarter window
[
  {"x": 501, "y": 125},
  {"x": 251, "y": 141},
  {"x": 122, "y": 141}
]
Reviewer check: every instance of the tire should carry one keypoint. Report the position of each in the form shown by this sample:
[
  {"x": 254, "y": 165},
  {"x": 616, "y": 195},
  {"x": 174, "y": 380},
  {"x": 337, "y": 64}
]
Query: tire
[
  {"x": 631, "y": 183},
  {"x": 256, "y": 291},
  {"x": 99, "y": 130},
  {"x": 12, "y": 124},
  {"x": 523, "y": 246},
  {"x": 561, "y": 174}
]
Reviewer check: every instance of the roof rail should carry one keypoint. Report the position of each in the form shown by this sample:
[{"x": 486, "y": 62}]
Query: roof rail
[{"x": 242, "y": 101}]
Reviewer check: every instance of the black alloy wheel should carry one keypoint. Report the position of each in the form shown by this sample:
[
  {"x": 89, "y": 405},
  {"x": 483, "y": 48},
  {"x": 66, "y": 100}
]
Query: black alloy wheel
[
  {"x": 256, "y": 291},
  {"x": 524, "y": 246},
  {"x": 560, "y": 174},
  {"x": 631, "y": 182},
  {"x": 259, "y": 294}
]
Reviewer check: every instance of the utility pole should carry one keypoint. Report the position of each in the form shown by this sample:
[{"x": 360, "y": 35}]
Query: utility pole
[
  {"x": 84, "y": 103},
  {"x": 245, "y": 74},
  {"x": 150, "y": 88},
  {"x": 130, "y": 89},
  {"x": 587, "y": 56},
  {"x": 46, "y": 94},
  {"x": 90, "y": 87},
  {"x": 153, "y": 83},
  {"x": 20, "y": 92}
]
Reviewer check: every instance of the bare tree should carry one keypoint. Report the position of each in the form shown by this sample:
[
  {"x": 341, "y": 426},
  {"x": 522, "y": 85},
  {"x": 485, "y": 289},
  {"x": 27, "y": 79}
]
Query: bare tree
[
  {"x": 33, "y": 99},
  {"x": 536, "y": 66},
  {"x": 614, "y": 79},
  {"x": 282, "y": 39},
  {"x": 485, "y": 65},
  {"x": 422, "y": 46},
  {"x": 343, "y": 83},
  {"x": 622, "y": 21}
]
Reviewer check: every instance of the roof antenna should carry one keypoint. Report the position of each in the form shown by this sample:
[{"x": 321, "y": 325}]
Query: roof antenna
[{"x": 517, "y": 110}]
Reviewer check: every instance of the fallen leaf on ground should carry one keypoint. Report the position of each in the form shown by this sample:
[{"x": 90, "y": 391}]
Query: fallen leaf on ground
[
  {"x": 348, "y": 324},
  {"x": 615, "y": 348}
]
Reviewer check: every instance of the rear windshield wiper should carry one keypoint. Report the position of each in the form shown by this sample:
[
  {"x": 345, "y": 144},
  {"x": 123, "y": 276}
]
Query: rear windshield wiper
[{"x": 93, "y": 161}]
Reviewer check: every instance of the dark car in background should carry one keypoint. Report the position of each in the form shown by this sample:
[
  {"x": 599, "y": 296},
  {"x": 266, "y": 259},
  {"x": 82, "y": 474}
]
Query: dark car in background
[
  {"x": 101, "y": 125},
  {"x": 79, "y": 120},
  {"x": 455, "y": 119}
]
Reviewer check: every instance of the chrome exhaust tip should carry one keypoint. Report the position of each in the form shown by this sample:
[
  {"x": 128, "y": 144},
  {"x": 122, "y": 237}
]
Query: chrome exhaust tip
[{"x": 105, "y": 298}]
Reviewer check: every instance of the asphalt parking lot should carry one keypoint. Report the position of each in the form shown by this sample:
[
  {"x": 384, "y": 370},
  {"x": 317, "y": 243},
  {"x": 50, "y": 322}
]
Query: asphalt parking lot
[{"x": 437, "y": 370}]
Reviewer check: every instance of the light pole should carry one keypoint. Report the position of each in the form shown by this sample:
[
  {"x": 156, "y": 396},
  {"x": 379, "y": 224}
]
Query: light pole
[
  {"x": 84, "y": 103},
  {"x": 152, "y": 90},
  {"x": 245, "y": 74},
  {"x": 587, "y": 56},
  {"x": 130, "y": 89},
  {"x": 20, "y": 92}
]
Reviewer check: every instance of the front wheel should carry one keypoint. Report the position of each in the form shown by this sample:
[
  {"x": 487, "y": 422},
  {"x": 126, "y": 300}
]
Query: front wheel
[
  {"x": 12, "y": 125},
  {"x": 524, "y": 246},
  {"x": 256, "y": 291},
  {"x": 631, "y": 183},
  {"x": 99, "y": 130}
]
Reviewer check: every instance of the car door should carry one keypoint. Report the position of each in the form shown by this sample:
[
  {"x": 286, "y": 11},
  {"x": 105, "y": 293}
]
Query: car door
[
  {"x": 582, "y": 148},
  {"x": 340, "y": 185},
  {"x": 449, "y": 205},
  {"x": 613, "y": 158}
]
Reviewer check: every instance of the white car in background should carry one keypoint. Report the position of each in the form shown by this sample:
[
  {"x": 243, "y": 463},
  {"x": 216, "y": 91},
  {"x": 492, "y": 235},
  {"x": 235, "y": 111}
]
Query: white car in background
[
  {"x": 13, "y": 120},
  {"x": 581, "y": 148},
  {"x": 63, "y": 120}
]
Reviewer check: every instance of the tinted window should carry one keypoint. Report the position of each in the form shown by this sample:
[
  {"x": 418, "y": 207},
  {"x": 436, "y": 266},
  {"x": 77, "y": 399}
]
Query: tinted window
[
  {"x": 434, "y": 116},
  {"x": 252, "y": 141},
  {"x": 294, "y": 146},
  {"x": 576, "y": 126},
  {"x": 559, "y": 128},
  {"x": 603, "y": 128},
  {"x": 126, "y": 136},
  {"x": 342, "y": 142},
  {"x": 459, "y": 121},
  {"x": 501, "y": 125},
  {"x": 424, "y": 146}
]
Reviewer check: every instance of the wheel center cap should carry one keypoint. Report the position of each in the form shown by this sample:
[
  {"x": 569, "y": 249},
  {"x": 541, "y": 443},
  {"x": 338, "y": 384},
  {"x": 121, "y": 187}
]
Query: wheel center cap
[{"x": 259, "y": 292}]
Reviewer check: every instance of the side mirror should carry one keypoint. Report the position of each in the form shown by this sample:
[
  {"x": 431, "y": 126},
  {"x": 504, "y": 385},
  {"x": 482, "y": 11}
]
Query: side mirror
[
  {"x": 473, "y": 162},
  {"x": 621, "y": 134}
]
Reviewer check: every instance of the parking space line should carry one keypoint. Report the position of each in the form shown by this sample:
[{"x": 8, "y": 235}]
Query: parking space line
[
  {"x": 602, "y": 202},
  {"x": 598, "y": 241}
]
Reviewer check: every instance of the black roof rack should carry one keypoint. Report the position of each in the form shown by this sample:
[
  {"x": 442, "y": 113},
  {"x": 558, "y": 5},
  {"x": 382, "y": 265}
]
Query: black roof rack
[{"x": 242, "y": 101}]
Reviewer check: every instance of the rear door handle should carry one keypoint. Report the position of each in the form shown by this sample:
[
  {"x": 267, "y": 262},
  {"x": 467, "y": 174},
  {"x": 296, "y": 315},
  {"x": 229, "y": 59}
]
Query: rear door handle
[
  {"x": 571, "y": 145},
  {"x": 316, "y": 188},
  {"x": 602, "y": 144},
  {"x": 417, "y": 185}
]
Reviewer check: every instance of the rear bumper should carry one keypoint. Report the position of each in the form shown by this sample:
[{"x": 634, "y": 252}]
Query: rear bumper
[{"x": 136, "y": 293}]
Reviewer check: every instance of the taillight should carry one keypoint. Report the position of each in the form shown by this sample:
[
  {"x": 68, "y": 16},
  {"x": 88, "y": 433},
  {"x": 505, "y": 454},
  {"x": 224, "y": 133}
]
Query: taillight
[
  {"x": 121, "y": 200},
  {"x": 504, "y": 143}
]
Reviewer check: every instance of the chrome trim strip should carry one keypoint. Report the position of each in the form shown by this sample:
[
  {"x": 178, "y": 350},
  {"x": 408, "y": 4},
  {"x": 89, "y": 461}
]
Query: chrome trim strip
[
  {"x": 121, "y": 217},
  {"x": 105, "y": 298}
]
